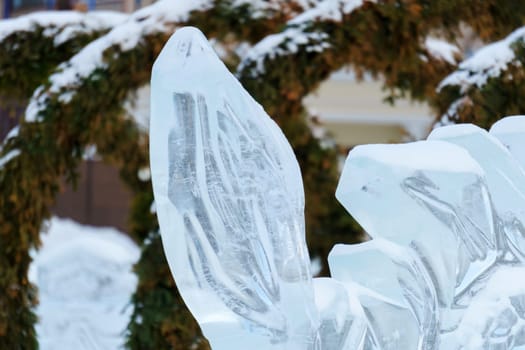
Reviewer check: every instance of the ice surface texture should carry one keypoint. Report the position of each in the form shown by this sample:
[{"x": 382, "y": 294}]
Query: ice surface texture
[
  {"x": 230, "y": 204},
  {"x": 444, "y": 269}
]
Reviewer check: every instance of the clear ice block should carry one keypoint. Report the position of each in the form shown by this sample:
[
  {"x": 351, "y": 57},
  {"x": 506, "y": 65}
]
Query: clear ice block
[
  {"x": 230, "y": 204},
  {"x": 505, "y": 180},
  {"x": 430, "y": 196},
  {"x": 396, "y": 292},
  {"x": 343, "y": 322}
]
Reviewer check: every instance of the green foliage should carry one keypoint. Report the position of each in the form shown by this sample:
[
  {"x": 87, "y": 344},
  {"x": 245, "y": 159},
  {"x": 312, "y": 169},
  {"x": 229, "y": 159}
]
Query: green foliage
[
  {"x": 23, "y": 203},
  {"x": 28, "y": 57},
  {"x": 160, "y": 319}
]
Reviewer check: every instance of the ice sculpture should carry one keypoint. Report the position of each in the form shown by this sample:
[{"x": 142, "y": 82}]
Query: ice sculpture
[
  {"x": 445, "y": 267},
  {"x": 230, "y": 204},
  {"x": 420, "y": 194},
  {"x": 509, "y": 131},
  {"x": 505, "y": 179},
  {"x": 343, "y": 321}
]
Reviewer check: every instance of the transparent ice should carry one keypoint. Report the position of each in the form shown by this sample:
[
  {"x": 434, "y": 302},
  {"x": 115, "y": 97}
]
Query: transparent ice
[
  {"x": 395, "y": 290},
  {"x": 456, "y": 202},
  {"x": 444, "y": 269},
  {"x": 230, "y": 204}
]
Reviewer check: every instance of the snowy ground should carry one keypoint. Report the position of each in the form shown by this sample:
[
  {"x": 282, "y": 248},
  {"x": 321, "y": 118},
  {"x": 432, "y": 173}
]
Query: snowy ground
[{"x": 85, "y": 283}]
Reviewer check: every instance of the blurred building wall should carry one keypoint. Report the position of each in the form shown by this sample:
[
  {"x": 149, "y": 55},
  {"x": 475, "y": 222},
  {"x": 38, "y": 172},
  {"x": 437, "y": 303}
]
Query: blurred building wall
[{"x": 99, "y": 199}]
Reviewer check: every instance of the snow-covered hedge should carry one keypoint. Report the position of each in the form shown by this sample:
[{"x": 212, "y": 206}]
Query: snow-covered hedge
[
  {"x": 31, "y": 46},
  {"x": 486, "y": 86}
]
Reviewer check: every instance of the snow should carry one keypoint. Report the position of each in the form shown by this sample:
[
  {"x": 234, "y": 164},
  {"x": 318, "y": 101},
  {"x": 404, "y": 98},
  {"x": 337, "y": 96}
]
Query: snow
[
  {"x": 156, "y": 18},
  {"x": 85, "y": 284},
  {"x": 260, "y": 8},
  {"x": 328, "y": 10},
  {"x": 452, "y": 111},
  {"x": 62, "y": 25},
  {"x": 281, "y": 44},
  {"x": 490, "y": 61},
  {"x": 144, "y": 174},
  {"x": 441, "y": 49},
  {"x": 8, "y": 157},
  {"x": 12, "y": 133},
  {"x": 137, "y": 107},
  {"x": 295, "y": 34}
]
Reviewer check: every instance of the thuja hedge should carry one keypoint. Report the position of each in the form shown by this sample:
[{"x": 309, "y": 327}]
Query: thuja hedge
[
  {"x": 486, "y": 102},
  {"x": 29, "y": 55},
  {"x": 384, "y": 38}
]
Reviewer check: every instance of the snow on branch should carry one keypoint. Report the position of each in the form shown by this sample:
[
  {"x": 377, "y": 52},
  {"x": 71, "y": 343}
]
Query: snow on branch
[
  {"x": 442, "y": 50},
  {"x": 483, "y": 87},
  {"x": 62, "y": 25},
  {"x": 298, "y": 33},
  {"x": 156, "y": 18},
  {"x": 488, "y": 62}
]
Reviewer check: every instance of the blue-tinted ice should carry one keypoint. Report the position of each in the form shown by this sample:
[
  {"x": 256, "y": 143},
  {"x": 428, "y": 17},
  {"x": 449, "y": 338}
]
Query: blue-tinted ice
[{"x": 230, "y": 204}]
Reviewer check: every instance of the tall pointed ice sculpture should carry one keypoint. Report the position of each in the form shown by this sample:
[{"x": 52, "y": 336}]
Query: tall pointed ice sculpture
[
  {"x": 230, "y": 204},
  {"x": 443, "y": 272}
]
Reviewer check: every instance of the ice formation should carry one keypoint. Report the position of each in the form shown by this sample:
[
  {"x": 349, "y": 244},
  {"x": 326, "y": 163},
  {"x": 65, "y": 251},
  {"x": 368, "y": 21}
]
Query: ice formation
[
  {"x": 443, "y": 270},
  {"x": 230, "y": 204},
  {"x": 454, "y": 205}
]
